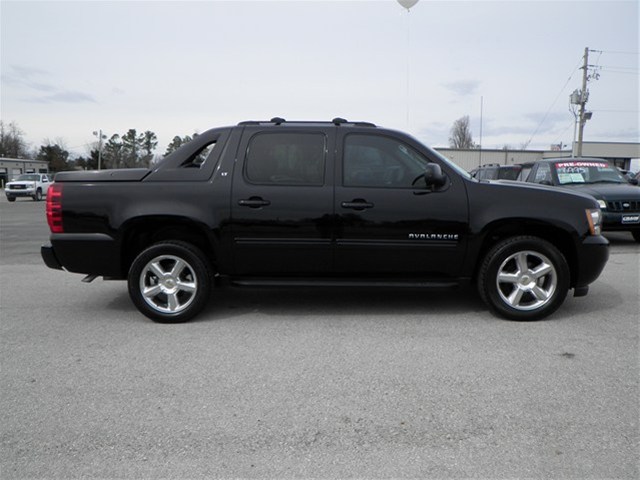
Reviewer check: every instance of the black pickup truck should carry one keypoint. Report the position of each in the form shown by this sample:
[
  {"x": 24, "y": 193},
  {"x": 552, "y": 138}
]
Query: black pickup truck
[{"x": 320, "y": 203}]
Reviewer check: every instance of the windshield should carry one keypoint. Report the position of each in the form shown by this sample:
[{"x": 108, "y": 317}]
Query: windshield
[
  {"x": 31, "y": 178},
  {"x": 580, "y": 172}
]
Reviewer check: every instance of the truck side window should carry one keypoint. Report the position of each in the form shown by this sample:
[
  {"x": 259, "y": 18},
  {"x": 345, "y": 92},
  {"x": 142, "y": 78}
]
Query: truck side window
[
  {"x": 286, "y": 159},
  {"x": 543, "y": 173},
  {"x": 198, "y": 158},
  {"x": 524, "y": 174},
  {"x": 375, "y": 161}
]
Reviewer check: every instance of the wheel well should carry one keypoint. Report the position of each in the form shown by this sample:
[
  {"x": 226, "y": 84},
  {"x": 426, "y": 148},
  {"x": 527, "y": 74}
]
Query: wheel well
[
  {"x": 557, "y": 237},
  {"x": 145, "y": 233}
]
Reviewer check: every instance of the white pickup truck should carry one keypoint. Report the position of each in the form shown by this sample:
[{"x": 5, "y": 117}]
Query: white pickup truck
[{"x": 34, "y": 185}]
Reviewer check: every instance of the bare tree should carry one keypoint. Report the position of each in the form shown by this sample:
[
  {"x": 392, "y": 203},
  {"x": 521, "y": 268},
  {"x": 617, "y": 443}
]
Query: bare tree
[
  {"x": 461, "y": 134},
  {"x": 12, "y": 144}
]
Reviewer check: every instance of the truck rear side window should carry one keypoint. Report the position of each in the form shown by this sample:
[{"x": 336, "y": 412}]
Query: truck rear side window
[
  {"x": 286, "y": 159},
  {"x": 197, "y": 159}
]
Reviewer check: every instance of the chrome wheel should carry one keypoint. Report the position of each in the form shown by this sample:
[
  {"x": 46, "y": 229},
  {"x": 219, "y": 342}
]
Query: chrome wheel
[
  {"x": 168, "y": 284},
  {"x": 526, "y": 280}
]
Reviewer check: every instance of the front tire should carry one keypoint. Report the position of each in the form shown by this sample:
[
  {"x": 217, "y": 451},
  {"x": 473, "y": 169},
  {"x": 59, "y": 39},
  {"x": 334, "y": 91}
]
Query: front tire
[
  {"x": 38, "y": 196},
  {"x": 170, "y": 282},
  {"x": 524, "y": 278},
  {"x": 636, "y": 235},
  {"x": 11, "y": 199}
]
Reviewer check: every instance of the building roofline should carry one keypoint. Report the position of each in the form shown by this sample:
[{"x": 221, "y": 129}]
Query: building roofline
[
  {"x": 8, "y": 159},
  {"x": 496, "y": 150}
]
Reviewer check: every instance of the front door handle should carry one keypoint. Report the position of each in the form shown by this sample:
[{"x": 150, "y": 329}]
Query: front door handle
[
  {"x": 254, "y": 202},
  {"x": 357, "y": 204}
]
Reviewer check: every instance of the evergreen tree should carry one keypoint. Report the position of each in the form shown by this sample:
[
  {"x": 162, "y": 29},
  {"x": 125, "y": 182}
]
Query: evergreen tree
[{"x": 56, "y": 156}]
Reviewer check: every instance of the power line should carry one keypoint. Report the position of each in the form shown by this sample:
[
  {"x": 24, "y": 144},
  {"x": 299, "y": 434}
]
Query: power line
[
  {"x": 620, "y": 67},
  {"x": 83, "y": 145},
  {"x": 620, "y": 53},
  {"x": 616, "y": 111},
  {"x": 565, "y": 131},
  {"x": 554, "y": 102},
  {"x": 622, "y": 72}
]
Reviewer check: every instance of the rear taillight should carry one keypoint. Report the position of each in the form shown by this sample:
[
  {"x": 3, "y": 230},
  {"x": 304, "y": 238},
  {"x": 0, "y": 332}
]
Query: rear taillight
[{"x": 54, "y": 208}]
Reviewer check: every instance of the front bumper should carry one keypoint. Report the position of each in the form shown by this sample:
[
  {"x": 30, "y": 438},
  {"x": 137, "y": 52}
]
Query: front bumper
[
  {"x": 593, "y": 254},
  {"x": 27, "y": 192},
  {"x": 620, "y": 221}
]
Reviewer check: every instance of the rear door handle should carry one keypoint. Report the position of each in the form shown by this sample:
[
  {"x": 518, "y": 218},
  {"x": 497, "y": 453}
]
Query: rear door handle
[
  {"x": 254, "y": 202},
  {"x": 357, "y": 204}
]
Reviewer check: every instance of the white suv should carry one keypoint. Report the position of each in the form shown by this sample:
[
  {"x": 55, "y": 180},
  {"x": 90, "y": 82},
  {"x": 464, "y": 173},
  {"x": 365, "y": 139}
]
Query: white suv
[{"x": 34, "y": 185}]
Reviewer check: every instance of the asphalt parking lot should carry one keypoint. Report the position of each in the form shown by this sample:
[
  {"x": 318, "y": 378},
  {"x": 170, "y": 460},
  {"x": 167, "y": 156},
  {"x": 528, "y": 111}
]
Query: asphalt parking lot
[{"x": 329, "y": 383}]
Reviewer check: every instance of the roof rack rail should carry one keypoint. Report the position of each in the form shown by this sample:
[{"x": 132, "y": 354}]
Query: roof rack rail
[
  {"x": 279, "y": 121},
  {"x": 339, "y": 121}
]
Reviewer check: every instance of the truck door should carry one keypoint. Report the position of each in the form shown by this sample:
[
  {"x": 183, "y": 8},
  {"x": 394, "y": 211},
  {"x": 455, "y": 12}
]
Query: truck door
[
  {"x": 388, "y": 224},
  {"x": 282, "y": 201}
]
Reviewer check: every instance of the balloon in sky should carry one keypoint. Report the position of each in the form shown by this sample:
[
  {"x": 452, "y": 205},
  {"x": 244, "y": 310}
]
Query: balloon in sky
[{"x": 407, "y": 3}]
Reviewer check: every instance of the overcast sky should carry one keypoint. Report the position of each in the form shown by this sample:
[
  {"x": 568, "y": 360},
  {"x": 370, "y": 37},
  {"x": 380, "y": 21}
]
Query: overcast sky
[{"x": 69, "y": 68}]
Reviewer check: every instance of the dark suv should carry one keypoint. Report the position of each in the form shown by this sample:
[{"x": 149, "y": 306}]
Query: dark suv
[{"x": 616, "y": 197}]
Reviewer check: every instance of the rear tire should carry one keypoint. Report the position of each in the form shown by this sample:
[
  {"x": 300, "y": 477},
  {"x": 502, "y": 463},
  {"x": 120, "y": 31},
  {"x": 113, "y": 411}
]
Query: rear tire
[
  {"x": 170, "y": 282},
  {"x": 524, "y": 278}
]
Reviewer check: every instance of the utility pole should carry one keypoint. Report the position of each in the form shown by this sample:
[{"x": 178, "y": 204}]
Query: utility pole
[
  {"x": 480, "y": 146},
  {"x": 581, "y": 97},
  {"x": 100, "y": 138},
  {"x": 583, "y": 100}
]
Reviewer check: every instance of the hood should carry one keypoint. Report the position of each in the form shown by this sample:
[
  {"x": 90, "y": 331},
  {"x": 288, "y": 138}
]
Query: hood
[
  {"x": 532, "y": 186},
  {"x": 537, "y": 187},
  {"x": 607, "y": 191}
]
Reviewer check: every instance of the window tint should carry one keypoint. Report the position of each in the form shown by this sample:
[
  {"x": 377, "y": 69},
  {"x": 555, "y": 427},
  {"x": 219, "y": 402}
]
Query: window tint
[
  {"x": 286, "y": 159},
  {"x": 375, "y": 161}
]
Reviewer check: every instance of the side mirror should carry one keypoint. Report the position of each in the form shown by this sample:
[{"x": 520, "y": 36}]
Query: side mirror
[{"x": 433, "y": 176}]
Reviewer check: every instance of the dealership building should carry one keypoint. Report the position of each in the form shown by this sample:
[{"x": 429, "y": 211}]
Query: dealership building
[
  {"x": 12, "y": 167},
  {"x": 624, "y": 155}
]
